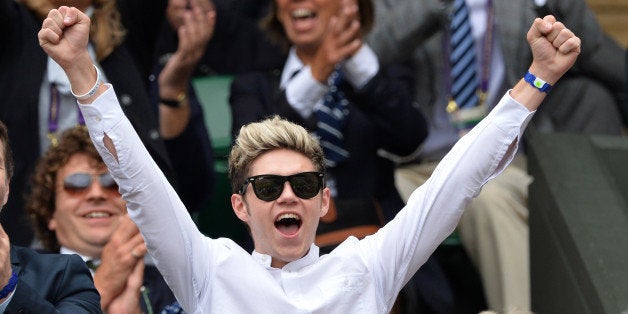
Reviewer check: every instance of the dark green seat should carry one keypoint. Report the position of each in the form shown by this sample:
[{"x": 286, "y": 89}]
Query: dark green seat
[{"x": 219, "y": 220}]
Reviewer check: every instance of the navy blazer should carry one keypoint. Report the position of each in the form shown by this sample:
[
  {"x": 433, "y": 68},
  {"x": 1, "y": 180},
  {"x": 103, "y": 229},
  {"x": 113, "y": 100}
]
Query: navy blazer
[{"x": 51, "y": 283}]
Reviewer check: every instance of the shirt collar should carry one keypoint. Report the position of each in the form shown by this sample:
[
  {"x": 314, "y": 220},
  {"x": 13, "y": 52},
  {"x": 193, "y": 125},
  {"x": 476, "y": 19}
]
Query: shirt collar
[
  {"x": 293, "y": 64},
  {"x": 310, "y": 258},
  {"x": 65, "y": 250}
]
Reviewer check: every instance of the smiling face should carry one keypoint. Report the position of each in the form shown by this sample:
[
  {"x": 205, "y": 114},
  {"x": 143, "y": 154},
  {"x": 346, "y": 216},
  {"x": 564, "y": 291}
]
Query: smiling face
[
  {"x": 286, "y": 227},
  {"x": 306, "y": 22},
  {"x": 84, "y": 220}
]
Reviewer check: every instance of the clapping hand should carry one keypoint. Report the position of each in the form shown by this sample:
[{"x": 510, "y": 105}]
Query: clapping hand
[
  {"x": 343, "y": 40},
  {"x": 120, "y": 274}
]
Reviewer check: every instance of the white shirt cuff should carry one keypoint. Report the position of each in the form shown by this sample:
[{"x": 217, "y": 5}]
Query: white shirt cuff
[{"x": 362, "y": 67}]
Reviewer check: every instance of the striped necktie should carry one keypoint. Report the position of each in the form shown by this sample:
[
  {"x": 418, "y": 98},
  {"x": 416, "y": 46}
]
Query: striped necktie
[
  {"x": 464, "y": 80},
  {"x": 331, "y": 121}
]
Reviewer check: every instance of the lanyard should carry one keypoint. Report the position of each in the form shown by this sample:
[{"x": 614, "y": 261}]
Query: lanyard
[
  {"x": 487, "y": 46},
  {"x": 53, "y": 115}
]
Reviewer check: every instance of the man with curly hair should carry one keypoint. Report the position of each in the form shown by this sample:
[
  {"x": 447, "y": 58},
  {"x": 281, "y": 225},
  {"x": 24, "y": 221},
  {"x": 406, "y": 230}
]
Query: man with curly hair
[{"x": 76, "y": 208}]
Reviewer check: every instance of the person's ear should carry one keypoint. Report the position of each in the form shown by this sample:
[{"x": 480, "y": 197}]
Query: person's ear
[
  {"x": 239, "y": 207},
  {"x": 326, "y": 199},
  {"x": 52, "y": 224}
]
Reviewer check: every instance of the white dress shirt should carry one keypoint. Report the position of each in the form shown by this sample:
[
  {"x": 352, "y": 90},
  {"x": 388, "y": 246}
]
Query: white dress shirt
[{"x": 359, "y": 276}]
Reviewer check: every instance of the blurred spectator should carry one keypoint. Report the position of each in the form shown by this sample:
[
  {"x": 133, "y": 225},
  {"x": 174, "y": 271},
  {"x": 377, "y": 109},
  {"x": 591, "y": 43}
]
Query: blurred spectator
[
  {"x": 75, "y": 208},
  {"x": 494, "y": 226}
]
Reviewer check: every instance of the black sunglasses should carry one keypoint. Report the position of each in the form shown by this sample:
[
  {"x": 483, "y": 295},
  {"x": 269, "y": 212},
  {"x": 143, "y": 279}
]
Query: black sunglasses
[
  {"x": 80, "y": 181},
  {"x": 268, "y": 187}
]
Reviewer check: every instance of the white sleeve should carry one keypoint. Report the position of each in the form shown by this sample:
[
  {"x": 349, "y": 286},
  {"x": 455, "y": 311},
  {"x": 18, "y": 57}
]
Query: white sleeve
[
  {"x": 171, "y": 236},
  {"x": 434, "y": 209}
]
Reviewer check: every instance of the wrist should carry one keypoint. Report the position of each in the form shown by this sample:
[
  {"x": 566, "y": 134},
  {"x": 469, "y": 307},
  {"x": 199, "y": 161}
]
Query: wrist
[
  {"x": 537, "y": 82},
  {"x": 180, "y": 100},
  {"x": 89, "y": 93},
  {"x": 544, "y": 73},
  {"x": 80, "y": 71}
]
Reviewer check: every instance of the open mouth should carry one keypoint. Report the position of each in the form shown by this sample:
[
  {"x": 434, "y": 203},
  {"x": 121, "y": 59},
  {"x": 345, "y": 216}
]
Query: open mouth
[
  {"x": 97, "y": 215},
  {"x": 302, "y": 14},
  {"x": 288, "y": 224},
  {"x": 303, "y": 19}
]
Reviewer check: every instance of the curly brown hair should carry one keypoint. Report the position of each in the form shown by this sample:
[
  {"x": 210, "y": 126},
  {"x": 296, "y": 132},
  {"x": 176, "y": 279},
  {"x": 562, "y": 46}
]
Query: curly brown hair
[
  {"x": 40, "y": 203},
  {"x": 106, "y": 31}
]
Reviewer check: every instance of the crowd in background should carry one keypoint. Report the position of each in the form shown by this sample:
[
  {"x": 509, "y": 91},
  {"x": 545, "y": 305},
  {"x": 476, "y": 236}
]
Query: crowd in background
[{"x": 377, "y": 98}]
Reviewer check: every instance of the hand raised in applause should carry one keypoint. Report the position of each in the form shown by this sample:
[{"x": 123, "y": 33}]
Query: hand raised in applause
[
  {"x": 343, "y": 40},
  {"x": 195, "y": 27},
  {"x": 122, "y": 266}
]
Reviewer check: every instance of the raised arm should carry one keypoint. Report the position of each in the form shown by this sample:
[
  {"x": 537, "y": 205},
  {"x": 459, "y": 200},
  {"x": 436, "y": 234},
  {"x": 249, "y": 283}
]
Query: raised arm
[
  {"x": 434, "y": 209},
  {"x": 152, "y": 203},
  {"x": 554, "y": 50},
  {"x": 63, "y": 36}
]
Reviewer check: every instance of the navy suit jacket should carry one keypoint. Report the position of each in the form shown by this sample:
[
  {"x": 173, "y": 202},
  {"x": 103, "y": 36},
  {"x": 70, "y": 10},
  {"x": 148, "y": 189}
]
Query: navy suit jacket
[{"x": 51, "y": 283}]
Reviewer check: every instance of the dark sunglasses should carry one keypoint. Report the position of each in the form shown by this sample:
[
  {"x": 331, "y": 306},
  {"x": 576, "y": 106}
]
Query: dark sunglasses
[
  {"x": 80, "y": 181},
  {"x": 268, "y": 187}
]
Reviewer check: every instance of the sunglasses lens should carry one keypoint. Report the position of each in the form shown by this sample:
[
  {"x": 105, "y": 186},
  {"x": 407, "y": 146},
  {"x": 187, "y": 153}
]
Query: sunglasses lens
[
  {"x": 107, "y": 181},
  {"x": 80, "y": 181},
  {"x": 268, "y": 188},
  {"x": 77, "y": 181},
  {"x": 305, "y": 185}
]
